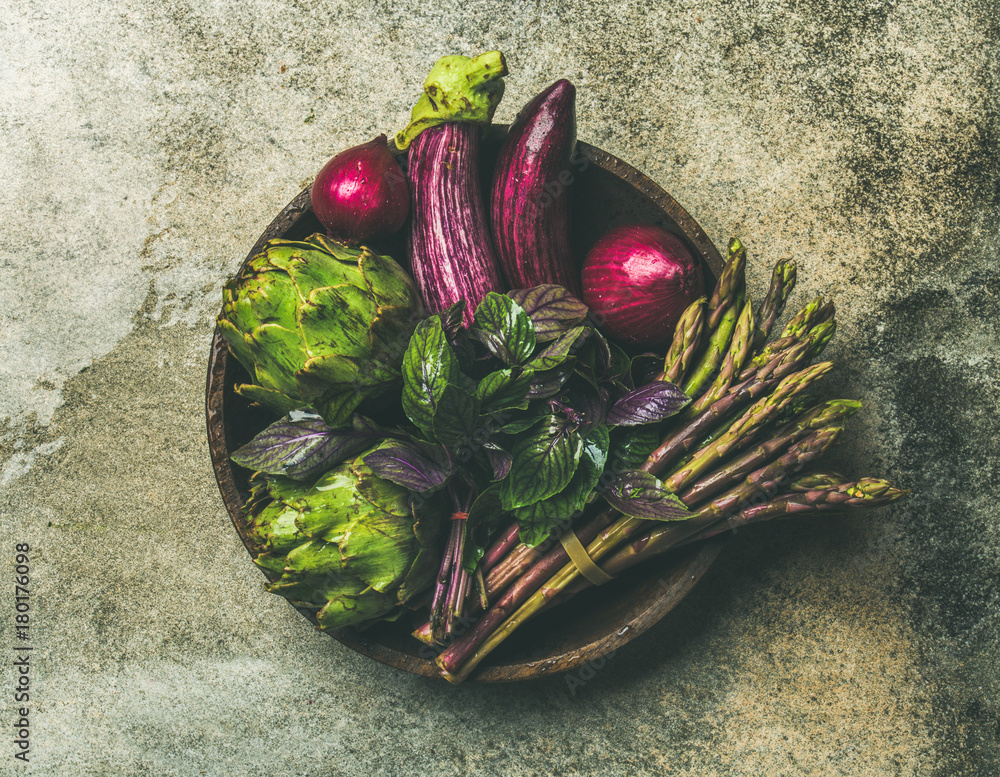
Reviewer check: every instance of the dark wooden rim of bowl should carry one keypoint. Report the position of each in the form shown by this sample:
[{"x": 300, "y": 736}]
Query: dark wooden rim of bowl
[{"x": 658, "y": 596}]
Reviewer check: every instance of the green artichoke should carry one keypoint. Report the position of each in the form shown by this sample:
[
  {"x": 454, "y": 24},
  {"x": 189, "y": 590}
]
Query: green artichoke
[
  {"x": 353, "y": 546},
  {"x": 319, "y": 324}
]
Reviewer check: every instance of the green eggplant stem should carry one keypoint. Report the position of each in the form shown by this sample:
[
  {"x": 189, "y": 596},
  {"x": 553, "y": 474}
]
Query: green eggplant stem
[{"x": 457, "y": 89}]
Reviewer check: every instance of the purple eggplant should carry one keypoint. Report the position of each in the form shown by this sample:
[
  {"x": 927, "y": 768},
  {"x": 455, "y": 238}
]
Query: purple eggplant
[
  {"x": 530, "y": 198},
  {"x": 449, "y": 245}
]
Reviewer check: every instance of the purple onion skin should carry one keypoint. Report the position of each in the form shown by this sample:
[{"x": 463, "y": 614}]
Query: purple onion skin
[
  {"x": 529, "y": 204},
  {"x": 639, "y": 278},
  {"x": 449, "y": 245},
  {"x": 361, "y": 193}
]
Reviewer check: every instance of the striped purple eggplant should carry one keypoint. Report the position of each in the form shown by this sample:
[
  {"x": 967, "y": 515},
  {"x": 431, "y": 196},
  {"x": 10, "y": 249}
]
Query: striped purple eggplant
[
  {"x": 529, "y": 205},
  {"x": 449, "y": 245}
]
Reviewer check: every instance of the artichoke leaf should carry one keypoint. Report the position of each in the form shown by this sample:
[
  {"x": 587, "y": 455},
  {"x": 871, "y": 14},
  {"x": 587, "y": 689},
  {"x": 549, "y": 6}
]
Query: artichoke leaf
[
  {"x": 329, "y": 518},
  {"x": 394, "y": 288},
  {"x": 273, "y": 400},
  {"x": 276, "y": 530},
  {"x": 278, "y": 353},
  {"x": 310, "y": 270},
  {"x": 390, "y": 331},
  {"x": 379, "y": 492},
  {"x": 351, "y": 609},
  {"x": 313, "y": 560},
  {"x": 336, "y": 320},
  {"x": 237, "y": 344},
  {"x": 420, "y": 575},
  {"x": 377, "y": 550},
  {"x": 270, "y": 301},
  {"x": 339, "y": 406},
  {"x": 269, "y": 562}
]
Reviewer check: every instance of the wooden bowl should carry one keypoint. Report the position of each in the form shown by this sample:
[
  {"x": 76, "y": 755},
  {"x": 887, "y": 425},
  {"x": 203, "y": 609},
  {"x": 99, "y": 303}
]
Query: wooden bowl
[{"x": 607, "y": 192}]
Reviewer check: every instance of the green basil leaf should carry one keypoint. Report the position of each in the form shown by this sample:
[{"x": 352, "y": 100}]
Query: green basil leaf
[
  {"x": 486, "y": 508},
  {"x": 536, "y": 522},
  {"x": 595, "y": 447},
  {"x": 429, "y": 367},
  {"x": 505, "y": 390},
  {"x": 544, "y": 463},
  {"x": 556, "y": 353},
  {"x": 504, "y": 328},
  {"x": 500, "y": 460},
  {"x": 619, "y": 365},
  {"x": 550, "y": 382},
  {"x": 456, "y": 416},
  {"x": 632, "y": 446},
  {"x": 518, "y": 425}
]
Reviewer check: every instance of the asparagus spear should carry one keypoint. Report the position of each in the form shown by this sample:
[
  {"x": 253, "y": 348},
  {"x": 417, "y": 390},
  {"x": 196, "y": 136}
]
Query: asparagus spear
[
  {"x": 721, "y": 316},
  {"x": 718, "y": 344},
  {"x": 731, "y": 284},
  {"x": 815, "y": 480},
  {"x": 782, "y": 283},
  {"x": 500, "y": 548},
  {"x": 817, "y": 337},
  {"x": 867, "y": 492},
  {"x": 686, "y": 342},
  {"x": 830, "y": 413},
  {"x": 739, "y": 349},
  {"x": 762, "y": 380},
  {"x": 756, "y": 415}
]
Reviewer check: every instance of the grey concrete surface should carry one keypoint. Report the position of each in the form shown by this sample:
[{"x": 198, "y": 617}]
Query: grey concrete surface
[{"x": 143, "y": 148}]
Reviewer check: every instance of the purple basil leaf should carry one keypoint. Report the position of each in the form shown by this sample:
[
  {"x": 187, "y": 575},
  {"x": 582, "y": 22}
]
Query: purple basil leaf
[
  {"x": 301, "y": 446},
  {"x": 420, "y": 467},
  {"x": 552, "y": 310},
  {"x": 642, "y": 495},
  {"x": 587, "y": 408},
  {"x": 500, "y": 460},
  {"x": 451, "y": 319},
  {"x": 647, "y": 404}
]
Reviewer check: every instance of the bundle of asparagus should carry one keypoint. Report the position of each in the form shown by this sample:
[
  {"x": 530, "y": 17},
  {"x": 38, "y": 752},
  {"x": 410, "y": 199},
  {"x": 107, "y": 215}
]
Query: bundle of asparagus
[{"x": 733, "y": 457}]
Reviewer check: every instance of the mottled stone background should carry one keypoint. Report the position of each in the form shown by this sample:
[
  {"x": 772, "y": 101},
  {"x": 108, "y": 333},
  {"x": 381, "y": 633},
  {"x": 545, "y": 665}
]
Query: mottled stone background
[{"x": 145, "y": 145}]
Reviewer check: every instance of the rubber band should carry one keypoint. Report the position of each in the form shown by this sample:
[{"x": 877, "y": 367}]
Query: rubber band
[
  {"x": 459, "y": 516},
  {"x": 582, "y": 560}
]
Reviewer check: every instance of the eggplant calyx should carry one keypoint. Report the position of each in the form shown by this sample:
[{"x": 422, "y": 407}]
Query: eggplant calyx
[{"x": 457, "y": 89}]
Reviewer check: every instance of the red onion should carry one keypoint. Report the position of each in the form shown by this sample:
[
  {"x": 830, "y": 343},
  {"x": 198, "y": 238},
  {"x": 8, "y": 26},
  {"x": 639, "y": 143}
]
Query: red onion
[
  {"x": 639, "y": 279},
  {"x": 361, "y": 193}
]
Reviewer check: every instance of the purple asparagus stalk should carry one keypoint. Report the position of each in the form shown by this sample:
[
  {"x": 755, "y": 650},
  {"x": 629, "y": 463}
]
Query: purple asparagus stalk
[
  {"x": 500, "y": 548},
  {"x": 759, "y": 486},
  {"x": 867, "y": 492}
]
